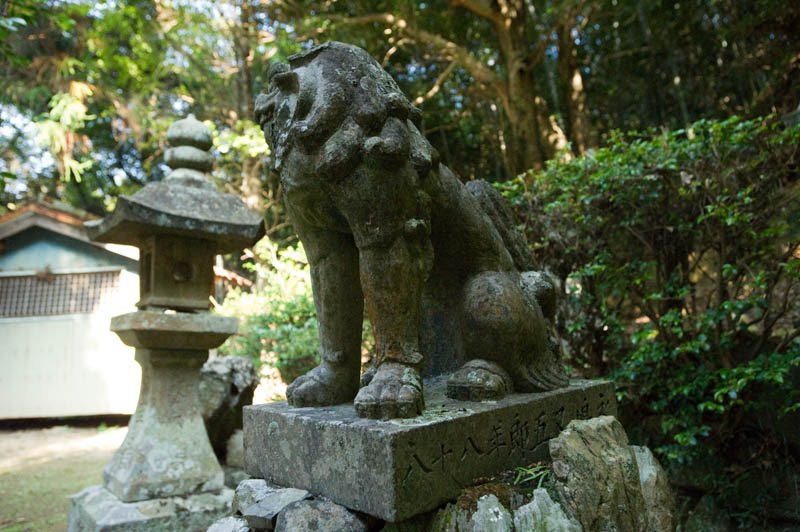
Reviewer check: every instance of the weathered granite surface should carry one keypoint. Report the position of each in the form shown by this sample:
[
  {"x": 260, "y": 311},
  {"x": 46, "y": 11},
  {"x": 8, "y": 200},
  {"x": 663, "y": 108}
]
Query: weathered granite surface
[
  {"x": 597, "y": 476},
  {"x": 182, "y": 210},
  {"x": 227, "y": 384},
  {"x": 262, "y": 514},
  {"x": 491, "y": 515},
  {"x": 230, "y": 524},
  {"x": 543, "y": 514},
  {"x": 400, "y": 468},
  {"x": 320, "y": 516},
  {"x": 167, "y": 451},
  {"x": 249, "y": 492},
  {"x": 96, "y": 509},
  {"x": 659, "y": 498},
  {"x": 181, "y": 330}
]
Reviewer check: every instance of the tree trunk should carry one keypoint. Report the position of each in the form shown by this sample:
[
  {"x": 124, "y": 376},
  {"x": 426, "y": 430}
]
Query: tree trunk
[
  {"x": 573, "y": 95},
  {"x": 245, "y": 38},
  {"x": 535, "y": 137},
  {"x": 252, "y": 191}
]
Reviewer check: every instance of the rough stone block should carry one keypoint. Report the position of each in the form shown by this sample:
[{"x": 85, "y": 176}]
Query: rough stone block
[
  {"x": 249, "y": 492},
  {"x": 659, "y": 499},
  {"x": 399, "y": 468},
  {"x": 262, "y": 514},
  {"x": 596, "y": 476},
  {"x": 543, "y": 514},
  {"x": 491, "y": 515},
  {"x": 227, "y": 383},
  {"x": 95, "y": 509},
  {"x": 230, "y": 524},
  {"x": 321, "y": 516}
]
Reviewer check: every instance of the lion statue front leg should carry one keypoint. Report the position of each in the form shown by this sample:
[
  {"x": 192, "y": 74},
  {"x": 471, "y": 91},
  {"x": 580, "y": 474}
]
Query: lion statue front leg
[
  {"x": 392, "y": 279},
  {"x": 376, "y": 259},
  {"x": 333, "y": 258}
]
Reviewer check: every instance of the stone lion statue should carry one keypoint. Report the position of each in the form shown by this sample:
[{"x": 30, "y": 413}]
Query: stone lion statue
[{"x": 444, "y": 273}]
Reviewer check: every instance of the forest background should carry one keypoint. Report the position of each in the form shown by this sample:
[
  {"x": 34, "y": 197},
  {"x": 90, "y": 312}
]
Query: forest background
[{"x": 650, "y": 150}]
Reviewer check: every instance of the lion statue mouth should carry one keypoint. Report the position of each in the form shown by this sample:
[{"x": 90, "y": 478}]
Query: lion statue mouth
[
  {"x": 444, "y": 273},
  {"x": 281, "y": 95}
]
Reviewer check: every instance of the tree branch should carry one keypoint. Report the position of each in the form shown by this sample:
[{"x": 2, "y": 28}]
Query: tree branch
[
  {"x": 437, "y": 85},
  {"x": 391, "y": 51},
  {"x": 476, "y": 68},
  {"x": 482, "y": 8}
]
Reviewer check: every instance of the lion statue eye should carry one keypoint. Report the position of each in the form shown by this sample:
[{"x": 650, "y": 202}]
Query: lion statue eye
[
  {"x": 286, "y": 81},
  {"x": 275, "y": 69}
]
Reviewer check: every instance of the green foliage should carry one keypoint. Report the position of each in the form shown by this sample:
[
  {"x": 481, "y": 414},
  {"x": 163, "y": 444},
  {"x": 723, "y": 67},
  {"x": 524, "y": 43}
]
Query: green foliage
[
  {"x": 277, "y": 318},
  {"x": 278, "y": 324},
  {"x": 641, "y": 76},
  {"x": 245, "y": 138},
  {"x": 138, "y": 67},
  {"x": 58, "y": 130},
  {"x": 680, "y": 263},
  {"x": 148, "y": 63},
  {"x": 534, "y": 473}
]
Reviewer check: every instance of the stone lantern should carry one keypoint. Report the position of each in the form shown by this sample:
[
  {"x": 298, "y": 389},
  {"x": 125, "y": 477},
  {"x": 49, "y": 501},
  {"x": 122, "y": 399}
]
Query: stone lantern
[{"x": 165, "y": 474}]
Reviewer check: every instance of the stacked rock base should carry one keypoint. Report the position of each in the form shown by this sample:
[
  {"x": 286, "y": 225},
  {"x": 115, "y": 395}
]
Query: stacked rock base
[
  {"x": 593, "y": 480},
  {"x": 259, "y": 507},
  {"x": 96, "y": 509}
]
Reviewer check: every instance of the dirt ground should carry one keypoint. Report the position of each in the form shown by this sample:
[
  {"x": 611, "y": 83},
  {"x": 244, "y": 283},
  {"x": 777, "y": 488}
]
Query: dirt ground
[
  {"x": 42, "y": 463},
  {"x": 41, "y": 467}
]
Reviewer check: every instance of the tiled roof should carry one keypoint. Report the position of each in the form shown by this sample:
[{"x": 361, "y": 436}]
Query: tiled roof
[
  {"x": 56, "y": 294},
  {"x": 55, "y": 210}
]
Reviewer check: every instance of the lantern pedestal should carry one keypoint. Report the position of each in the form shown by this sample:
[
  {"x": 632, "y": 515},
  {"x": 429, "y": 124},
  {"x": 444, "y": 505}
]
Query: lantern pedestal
[{"x": 166, "y": 451}]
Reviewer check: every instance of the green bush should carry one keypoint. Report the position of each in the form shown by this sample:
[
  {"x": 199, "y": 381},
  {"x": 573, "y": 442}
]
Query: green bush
[
  {"x": 277, "y": 319},
  {"x": 679, "y": 257}
]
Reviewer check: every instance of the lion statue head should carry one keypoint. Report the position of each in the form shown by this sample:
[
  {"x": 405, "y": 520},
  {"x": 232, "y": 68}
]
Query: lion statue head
[{"x": 339, "y": 106}]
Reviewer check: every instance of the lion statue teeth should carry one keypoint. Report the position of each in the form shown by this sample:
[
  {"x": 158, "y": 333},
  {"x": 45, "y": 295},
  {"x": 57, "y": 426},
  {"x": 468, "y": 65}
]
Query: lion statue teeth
[{"x": 446, "y": 277}]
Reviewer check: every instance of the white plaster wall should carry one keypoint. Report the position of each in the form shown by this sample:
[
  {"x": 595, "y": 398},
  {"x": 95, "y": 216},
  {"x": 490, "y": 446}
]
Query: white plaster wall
[{"x": 69, "y": 365}]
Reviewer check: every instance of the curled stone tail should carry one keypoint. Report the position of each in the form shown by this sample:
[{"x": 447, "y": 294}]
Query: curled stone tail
[{"x": 543, "y": 375}]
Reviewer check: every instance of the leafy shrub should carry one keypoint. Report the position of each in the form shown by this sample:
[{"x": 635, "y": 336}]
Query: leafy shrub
[
  {"x": 277, "y": 319},
  {"x": 679, "y": 257},
  {"x": 278, "y": 324}
]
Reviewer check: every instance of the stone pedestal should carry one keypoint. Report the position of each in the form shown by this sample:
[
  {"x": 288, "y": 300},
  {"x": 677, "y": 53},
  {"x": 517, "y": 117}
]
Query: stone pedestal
[
  {"x": 98, "y": 510},
  {"x": 397, "y": 469},
  {"x": 165, "y": 468},
  {"x": 166, "y": 451}
]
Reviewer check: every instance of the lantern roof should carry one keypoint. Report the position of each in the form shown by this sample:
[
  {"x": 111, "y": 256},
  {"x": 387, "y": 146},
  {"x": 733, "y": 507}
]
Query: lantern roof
[{"x": 185, "y": 203}]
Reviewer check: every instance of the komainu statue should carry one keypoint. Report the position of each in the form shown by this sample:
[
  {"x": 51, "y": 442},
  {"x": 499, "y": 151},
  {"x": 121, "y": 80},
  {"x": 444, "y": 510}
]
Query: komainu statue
[{"x": 443, "y": 271}]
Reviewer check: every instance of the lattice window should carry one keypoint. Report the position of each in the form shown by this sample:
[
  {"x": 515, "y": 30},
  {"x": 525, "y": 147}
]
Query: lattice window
[{"x": 55, "y": 294}]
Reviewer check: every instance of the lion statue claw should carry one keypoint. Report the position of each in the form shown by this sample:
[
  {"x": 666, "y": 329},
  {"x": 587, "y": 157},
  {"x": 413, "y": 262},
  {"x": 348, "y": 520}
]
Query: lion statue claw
[{"x": 446, "y": 277}]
